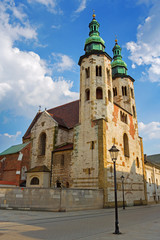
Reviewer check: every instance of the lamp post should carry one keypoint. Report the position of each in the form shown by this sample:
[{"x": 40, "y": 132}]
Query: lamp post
[
  {"x": 114, "y": 153},
  {"x": 122, "y": 178}
]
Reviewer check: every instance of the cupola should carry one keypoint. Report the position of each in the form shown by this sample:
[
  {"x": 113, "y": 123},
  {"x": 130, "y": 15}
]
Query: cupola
[
  {"x": 94, "y": 42},
  {"x": 119, "y": 67}
]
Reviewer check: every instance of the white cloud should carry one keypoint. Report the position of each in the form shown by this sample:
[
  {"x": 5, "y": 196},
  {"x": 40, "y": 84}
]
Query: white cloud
[
  {"x": 63, "y": 62},
  {"x": 25, "y": 82},
  {"x": 12, "y": 136},
  {"x": 50, "y": 4},
  {"x": 150, "y": 130},
  {"x": 146, "y": 50},
  {"x": 82, "y": 6},
  {"x": 56, "y": 26}
]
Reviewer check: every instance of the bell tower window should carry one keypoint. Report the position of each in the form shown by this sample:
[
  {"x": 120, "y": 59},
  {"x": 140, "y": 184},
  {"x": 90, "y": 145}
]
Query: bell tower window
[
  {"x": 134, "y": 112},
  {"x": 114, "y": 91},
  {"x": 99, "y": 71},
  {"x": 109, "y": 95},
  {"x": 124, "y": 91},
  {"x": 99, "y": 93},
  {"x": 87, "y": 94},
  {"x": 87, "y": 72}
]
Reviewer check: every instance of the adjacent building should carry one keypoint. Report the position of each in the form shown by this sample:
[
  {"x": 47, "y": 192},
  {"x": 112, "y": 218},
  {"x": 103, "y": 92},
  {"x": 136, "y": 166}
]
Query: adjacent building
[
  {"x": 152, "y": 167},
  {"x": 14, "y": 162}
]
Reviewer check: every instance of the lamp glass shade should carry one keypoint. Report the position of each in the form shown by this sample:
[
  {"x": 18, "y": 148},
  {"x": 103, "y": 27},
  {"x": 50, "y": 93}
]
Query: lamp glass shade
[{"x": 114, "y": 153}]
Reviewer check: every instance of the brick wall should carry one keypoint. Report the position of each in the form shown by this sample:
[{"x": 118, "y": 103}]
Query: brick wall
[{"x": 10, "y": 166}]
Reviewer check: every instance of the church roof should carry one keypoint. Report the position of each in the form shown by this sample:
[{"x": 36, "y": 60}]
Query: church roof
[{"x": 66, "y": 115}]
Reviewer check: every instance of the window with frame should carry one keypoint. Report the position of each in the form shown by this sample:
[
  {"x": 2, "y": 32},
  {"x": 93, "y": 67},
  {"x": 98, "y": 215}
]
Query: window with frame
[
  {"x": 134, "y": 112},
  {"x": 87, "y": 93},
  {"x": 34, "y": 181},
  {"x": 109, "y": 96},
  {"x": 124, "y": 91},
  {"x": 99, "y": 71},
  {"x": 99, "y": 93},
  {"x": 108, "y": 76},
  {"x": 42, "y": 144},
  {"x": 87, "y": 70},
  {"x": 126, "y": 145},
  {"x": 137, "y": 162},
  {"x": 123, "y": 117},
  {"x": 114, "y": 91},
  {"x": 132, "y": 94}
]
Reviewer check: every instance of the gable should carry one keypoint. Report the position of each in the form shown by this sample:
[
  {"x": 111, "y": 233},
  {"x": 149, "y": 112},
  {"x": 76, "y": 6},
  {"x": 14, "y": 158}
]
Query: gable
[{"x": 66, "y": 116}]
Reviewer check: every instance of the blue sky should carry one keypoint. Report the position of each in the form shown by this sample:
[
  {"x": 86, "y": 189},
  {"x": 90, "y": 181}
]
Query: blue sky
[{"x": 41, "y": 42}]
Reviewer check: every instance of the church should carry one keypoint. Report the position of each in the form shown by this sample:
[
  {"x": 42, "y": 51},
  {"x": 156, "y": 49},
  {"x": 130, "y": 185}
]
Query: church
[{"x": 70, "y": 143}]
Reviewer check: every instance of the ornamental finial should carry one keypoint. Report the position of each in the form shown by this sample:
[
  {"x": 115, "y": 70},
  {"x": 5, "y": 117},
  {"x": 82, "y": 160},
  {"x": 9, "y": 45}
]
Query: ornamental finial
[
  {"x": 94, "y": 15},
  {"x": 116, "y": 41}
]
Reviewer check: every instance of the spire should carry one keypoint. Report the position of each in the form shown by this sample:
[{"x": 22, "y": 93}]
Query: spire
[
  {"x": 94, "y": 42},
  {"x": 118, "y": 65}
]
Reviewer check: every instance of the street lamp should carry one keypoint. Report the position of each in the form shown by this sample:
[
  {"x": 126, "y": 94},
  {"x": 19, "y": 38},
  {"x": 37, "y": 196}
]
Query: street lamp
[
  {"x": 114, "y": 153},
  {"x": 122, "y": 178}
]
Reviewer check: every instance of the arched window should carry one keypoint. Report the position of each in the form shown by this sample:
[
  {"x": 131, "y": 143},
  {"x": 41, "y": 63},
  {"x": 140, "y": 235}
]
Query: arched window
[
  {"x": 134, "y": 112},
  {"x": 87, "y": 94},
  {"x": 99, "y": 93},
  {"x": 98, "y": 71},
  {"x": 109, "y": 95},
  {"x": 42, "y": 144},
  {"x": 137, "y": 162},
  {"x": 114, "y": 91},
  {"x": 34, "y": 181},
  {"x": 126, "y": 145}
]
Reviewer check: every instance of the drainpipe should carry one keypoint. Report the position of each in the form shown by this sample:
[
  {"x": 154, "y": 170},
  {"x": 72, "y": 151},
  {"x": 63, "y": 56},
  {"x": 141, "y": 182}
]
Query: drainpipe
[{"x": 51, "y": 168}]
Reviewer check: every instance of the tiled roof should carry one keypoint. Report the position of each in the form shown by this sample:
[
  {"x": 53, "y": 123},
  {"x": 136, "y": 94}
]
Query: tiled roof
[
  {"x": 66, "y": 115},
  {"x": 68, "y": 146},
  {"x": 154, "y": 159},
  {"x": 14, "y": 149},
  {"x": 39, "y": 169}
]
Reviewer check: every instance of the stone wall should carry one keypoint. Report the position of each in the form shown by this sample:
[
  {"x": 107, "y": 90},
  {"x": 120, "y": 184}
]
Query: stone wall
[{"x": 50, "y": 199}]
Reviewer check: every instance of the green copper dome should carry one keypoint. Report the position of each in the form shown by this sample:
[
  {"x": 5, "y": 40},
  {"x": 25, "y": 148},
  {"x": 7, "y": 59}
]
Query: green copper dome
[
  {"x": 94, "y": 42},
  {"x": 118, "y": 65}
]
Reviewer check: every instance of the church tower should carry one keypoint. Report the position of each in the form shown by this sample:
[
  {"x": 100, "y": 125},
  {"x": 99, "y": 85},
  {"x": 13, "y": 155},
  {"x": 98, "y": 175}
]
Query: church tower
[
  {"x": 95, "y": 77},
  {"x": 123, "y": 88}
]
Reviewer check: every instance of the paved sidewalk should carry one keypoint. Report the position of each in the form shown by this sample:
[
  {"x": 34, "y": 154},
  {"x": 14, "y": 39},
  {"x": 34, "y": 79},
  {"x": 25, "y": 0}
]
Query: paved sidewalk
[{"x": 136, "y": 223}]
